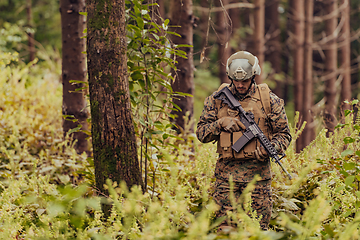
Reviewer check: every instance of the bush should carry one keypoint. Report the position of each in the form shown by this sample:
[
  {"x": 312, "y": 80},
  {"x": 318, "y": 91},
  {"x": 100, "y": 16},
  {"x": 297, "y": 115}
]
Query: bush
[{"x": 44, "y": 195}]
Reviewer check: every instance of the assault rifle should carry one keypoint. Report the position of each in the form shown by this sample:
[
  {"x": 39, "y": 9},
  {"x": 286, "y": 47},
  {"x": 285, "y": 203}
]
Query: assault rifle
[{"x": 252, "y": 129}]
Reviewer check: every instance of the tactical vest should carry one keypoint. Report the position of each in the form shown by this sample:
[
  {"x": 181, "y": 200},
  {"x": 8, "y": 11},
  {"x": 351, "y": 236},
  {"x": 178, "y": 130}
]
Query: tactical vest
[{"x": 259, "y": 105}]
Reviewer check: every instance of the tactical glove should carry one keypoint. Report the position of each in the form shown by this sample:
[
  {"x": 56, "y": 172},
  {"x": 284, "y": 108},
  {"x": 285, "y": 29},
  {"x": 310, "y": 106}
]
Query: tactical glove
[
  {"x": 260, "y": 153},
  {"x": 231, "y": 124}
]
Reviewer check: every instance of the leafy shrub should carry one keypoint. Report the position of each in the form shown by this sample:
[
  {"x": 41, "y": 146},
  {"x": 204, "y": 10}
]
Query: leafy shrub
[{"x": 31, "y": 140}]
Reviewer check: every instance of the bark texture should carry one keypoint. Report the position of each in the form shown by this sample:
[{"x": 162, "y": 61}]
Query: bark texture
[
  {"x": 259, "y": 34},
  {"x": 74, "y": 68},
  {"x": 182, "y": 16},
  {"x": 113, "y": 135},
  {"x": 330, "y": 52},
  {"x": 223, "y": 38},
  {"x": 345, "y": 55},
  {"x": 31, "y": 40},
  {"x": 309, "y": 132},
  {"x": 273, "y": 45},
  {"x": 297, "y": 15}
]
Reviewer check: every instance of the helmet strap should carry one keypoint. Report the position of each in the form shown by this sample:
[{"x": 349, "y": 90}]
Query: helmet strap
[{"x": 252, "y": 80}]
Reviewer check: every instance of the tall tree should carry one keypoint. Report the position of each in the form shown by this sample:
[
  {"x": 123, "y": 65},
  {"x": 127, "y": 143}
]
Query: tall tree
[
  {"x": 297, "y": 16},
  {"x": 223, "y": 37},
  {"x": 235, "y": 16},
  {"x": 308, "y": 99},
  {"x": 273, "y": 44},
  {"x": 330, "y": 53},
  {"x": 345, "y": 54},
  {"x": 113, "y": 135},
  {"x": 259, "y": 33},
  {"x": 182, "y": 20},
  {"x": 30, "y": 32},
  {"x": 74, "y": 68}
]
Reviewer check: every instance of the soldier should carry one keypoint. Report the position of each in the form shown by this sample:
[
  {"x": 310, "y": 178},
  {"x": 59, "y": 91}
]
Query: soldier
[{"x": 220, "y": 123}]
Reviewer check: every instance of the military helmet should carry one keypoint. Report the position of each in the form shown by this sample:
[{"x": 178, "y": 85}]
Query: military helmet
[{"x": 242, "y": 65}]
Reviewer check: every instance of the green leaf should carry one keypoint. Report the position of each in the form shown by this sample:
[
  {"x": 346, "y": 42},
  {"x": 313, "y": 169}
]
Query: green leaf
[
  {"x": 347, "y": 112},
  {"x": 343, "y": 172},
  {"x": 173, "y": 33},
  {"x": 77, "y": 129},
  {"x": 346, "y": 214},
  {"x": 140, "y": 22},
  {"x": 136, "y": 76},
  {"x": 355, "y": 101},
  {"x": 183, "y": 45},
  {"x": 356, "y": 127},
  {"x": 77, "y": 81},
  {"x": 349, "y": 166},
  {"x": 329, "y": 230},
  {"x": 339, "y": 125},
  {"x": 347, "y": 152},
  {"x": 357, "y": 193},
  {"x": 83, "y": 13},
  {"x": 349, "y": 180},
  {"x": 54, "y": 209},
  {"x": 349, "y": 140}
]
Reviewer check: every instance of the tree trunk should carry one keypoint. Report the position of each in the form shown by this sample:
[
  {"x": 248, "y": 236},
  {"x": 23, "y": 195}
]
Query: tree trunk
[
  {"x": 113, "y": 135},
  {"x": 308, "y": 99},
  {"x": 297, "y": 16},
  {"x": 345, "y": 56},
  {"x": 259, "y": 34},
  {"x": 235, "y": 16},
  {"x": 182, "y": 16},
  {"x": 74, "y": 68},
  {"x": 30, "y": 34},
  {"x": 330, "y": 52},
  {"x": 223, "y": 38},
  {"x": 273, "y": 45},
  {"x": 204, "y": 26}
]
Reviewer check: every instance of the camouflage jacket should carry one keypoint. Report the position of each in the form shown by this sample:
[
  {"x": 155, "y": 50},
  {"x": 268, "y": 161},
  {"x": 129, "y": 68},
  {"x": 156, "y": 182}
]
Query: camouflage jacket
[{"x": 208, "y": 130}]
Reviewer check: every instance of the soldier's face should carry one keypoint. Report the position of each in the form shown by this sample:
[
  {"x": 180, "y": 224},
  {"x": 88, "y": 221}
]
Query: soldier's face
[{"x": 242, "y": 86}]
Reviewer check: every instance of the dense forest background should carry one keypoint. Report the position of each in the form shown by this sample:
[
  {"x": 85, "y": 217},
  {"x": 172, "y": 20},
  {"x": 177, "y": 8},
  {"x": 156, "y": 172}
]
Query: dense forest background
[
  {"x": 55, "y": 187},
  {"x": 294, "y": 39}
]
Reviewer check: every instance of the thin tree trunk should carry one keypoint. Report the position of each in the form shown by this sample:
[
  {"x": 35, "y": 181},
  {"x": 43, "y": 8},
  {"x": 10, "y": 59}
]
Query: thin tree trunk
[
  {"x": 113, "y": 134},
  {"x": 74, "y": 68},
  {"x": 297, "y": 19},
  {"x": 235, "y": 16},
  {"x": 273, "y": 45},
  {"x": 308, "y": 99},
  {"x": 330, "y": 52},
  {"x": 223, "y": 38},
  {"x": 182, "y": 16},
  {"x": 259, "y": 34},
  {"x": 204, "y": 26},
  {"x": 30, "y": 34},
  {"x": 345, "y": 56}
]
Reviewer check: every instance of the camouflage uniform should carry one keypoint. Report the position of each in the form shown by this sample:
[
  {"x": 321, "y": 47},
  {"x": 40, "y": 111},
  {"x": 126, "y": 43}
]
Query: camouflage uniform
[{"x": 243, "y": 170}]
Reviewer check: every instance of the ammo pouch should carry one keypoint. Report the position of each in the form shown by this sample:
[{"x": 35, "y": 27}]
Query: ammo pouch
[
  {"x": 260, "y": 100},
  {"x": 228, "y": 139}
]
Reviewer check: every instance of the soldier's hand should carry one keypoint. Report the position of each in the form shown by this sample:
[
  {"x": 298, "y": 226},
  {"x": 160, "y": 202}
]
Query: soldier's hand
[
  {"x": 231, "y": 124},
  {"x": 260, "y": 153}
]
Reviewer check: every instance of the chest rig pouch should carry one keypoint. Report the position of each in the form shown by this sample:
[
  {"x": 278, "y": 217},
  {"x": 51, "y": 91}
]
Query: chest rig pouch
[{"x": 259, "y": 105}]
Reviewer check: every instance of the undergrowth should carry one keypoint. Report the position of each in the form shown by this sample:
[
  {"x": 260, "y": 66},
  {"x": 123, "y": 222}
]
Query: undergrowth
[{"x": 44, "y": 193}]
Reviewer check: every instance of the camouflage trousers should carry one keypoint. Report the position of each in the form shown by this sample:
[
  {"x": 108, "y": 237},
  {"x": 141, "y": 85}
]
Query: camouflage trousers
[{"x": 261, "y": 199}]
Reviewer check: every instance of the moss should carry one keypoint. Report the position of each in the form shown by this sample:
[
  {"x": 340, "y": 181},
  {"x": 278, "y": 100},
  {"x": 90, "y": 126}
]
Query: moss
[
  {"x": 102, "y": 13},
  {"x": 110, "y": 80},
  {"x": 95, "y": 112}
]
